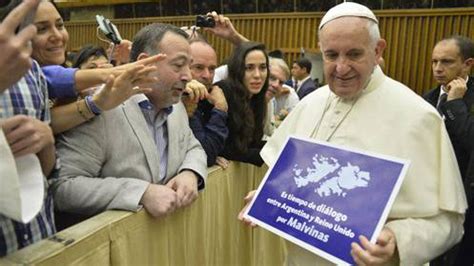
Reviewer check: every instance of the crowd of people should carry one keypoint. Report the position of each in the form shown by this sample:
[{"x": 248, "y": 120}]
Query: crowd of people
[{"x": 140, "y": 127}]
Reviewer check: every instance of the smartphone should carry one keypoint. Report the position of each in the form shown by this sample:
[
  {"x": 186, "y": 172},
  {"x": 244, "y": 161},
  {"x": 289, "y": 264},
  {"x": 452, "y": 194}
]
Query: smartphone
[{"x": 109, "y": 29}]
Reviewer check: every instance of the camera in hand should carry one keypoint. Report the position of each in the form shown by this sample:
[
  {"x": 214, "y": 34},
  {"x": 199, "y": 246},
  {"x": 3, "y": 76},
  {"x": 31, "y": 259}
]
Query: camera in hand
[
  {"x": 205, "y": 21},
  {"x": 109, "y": 29}
]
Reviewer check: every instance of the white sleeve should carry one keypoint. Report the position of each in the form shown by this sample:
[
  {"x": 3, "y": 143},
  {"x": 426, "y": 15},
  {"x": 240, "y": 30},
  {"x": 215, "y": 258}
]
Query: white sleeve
[
  {"x": 221, "y": 73},
  {"x": 420, "y": 240}
]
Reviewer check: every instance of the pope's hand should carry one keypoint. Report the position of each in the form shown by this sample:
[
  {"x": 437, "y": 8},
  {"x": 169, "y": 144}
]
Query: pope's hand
[{"x": 375, "y": 254}]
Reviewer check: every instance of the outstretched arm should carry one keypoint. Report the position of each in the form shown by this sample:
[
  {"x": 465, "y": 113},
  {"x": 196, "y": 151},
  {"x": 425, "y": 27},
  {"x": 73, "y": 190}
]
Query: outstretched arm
[{"x": 134, "y": 80}]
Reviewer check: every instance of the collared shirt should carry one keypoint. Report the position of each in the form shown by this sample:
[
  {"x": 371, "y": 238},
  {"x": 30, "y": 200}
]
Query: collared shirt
[
  {"x": 29, "y": 96},
  {"x": 156, "y": 121}
]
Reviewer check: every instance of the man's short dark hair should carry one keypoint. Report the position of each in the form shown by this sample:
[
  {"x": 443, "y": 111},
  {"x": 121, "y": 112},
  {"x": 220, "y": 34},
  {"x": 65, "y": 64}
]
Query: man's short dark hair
[
  {"x": 276, "y": 54},
  {"x": 87, "y": 52},
  {"x": 465, "y": 45},
  {"x": 149, "y": 37},
  {"x": 304, "y": 63}
]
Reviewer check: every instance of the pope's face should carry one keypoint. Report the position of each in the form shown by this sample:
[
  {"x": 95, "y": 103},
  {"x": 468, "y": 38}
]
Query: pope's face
[{"x": 349, "y": 55}]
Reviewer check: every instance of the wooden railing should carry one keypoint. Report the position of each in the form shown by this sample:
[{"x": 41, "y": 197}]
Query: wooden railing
[
  {"x": 206, "y": 233},
  {"x": 410, "y": 34}
]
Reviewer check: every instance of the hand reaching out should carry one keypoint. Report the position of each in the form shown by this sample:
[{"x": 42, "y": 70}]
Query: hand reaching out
[{"x": 134, "y": 80}]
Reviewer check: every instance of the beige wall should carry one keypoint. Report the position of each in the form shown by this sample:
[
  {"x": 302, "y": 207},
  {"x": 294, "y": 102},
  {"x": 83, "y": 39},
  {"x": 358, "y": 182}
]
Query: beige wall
[
  {"x": 88, "y": 13},
  {"x": 410, "y": 34}
]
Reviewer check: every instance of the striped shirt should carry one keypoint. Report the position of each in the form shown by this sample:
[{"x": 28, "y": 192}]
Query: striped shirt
[{"x": 29, "y": 96}]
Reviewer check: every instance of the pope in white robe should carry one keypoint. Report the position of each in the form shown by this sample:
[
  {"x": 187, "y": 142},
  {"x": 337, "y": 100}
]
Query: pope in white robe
[{"x": 386, "y": 117}]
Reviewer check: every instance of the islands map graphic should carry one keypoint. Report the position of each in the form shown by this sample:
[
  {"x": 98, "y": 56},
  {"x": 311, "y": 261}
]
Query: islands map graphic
[
  {"x": 322, "y": 196},
  {"x": 347, "y": 178}
]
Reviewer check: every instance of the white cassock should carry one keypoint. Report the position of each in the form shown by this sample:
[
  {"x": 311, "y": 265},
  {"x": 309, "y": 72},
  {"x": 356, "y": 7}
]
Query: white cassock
[{"x": 389, "y": 118}]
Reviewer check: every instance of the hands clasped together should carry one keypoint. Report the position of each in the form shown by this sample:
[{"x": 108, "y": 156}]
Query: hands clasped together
[{"x": 180, "y": 191}]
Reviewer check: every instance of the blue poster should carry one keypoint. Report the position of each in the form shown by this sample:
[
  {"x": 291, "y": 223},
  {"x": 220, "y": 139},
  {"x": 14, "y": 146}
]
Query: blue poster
[{"x": 322, "y": 197}]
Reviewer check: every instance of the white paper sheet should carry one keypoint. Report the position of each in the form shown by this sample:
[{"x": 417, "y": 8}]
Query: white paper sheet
[{"x": 21, "y": 184}]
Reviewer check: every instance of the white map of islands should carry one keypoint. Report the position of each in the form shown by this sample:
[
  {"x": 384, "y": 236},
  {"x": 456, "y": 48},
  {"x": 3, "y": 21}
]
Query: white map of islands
[{"x": 347, "y": 177}]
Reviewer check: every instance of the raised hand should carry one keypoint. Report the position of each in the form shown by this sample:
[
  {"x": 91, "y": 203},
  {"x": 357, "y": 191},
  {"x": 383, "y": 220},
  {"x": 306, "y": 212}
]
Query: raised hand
[
  {"x": 134, "y": 80},
  {"x": 121, "y": 52},
  {"x": 225, "y": 29},
  {"x": 16, "y": 47},
  {"x": 456, "y": 89}
]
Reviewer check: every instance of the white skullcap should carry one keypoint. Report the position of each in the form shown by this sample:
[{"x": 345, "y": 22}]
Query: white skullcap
[{"x": 347, "y": 9}]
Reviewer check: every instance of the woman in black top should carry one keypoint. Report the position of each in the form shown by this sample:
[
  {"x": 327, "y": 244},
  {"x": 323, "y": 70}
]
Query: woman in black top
[{"x": 244, "y": 90}]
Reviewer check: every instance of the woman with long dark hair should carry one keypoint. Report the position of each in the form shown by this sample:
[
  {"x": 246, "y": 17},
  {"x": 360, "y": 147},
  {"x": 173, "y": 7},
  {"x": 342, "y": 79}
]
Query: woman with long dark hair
[{"x": 244, "y": 90}]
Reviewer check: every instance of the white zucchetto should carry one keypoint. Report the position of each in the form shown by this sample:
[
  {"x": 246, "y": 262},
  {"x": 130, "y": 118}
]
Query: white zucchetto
[{"x": 347, "y": 9}]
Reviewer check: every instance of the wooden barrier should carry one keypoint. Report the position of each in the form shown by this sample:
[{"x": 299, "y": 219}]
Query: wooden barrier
[
  {"x": 410, "y": 34},
  {"x": 206, "y": 233}
]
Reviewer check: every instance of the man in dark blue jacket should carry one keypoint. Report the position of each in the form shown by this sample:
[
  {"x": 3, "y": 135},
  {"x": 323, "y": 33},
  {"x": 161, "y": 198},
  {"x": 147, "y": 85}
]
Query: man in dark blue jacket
[
  {"x": 302, "y": 83},
  {"x": 209, "y": 121},
  {"x": 452, "y": 60}
]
